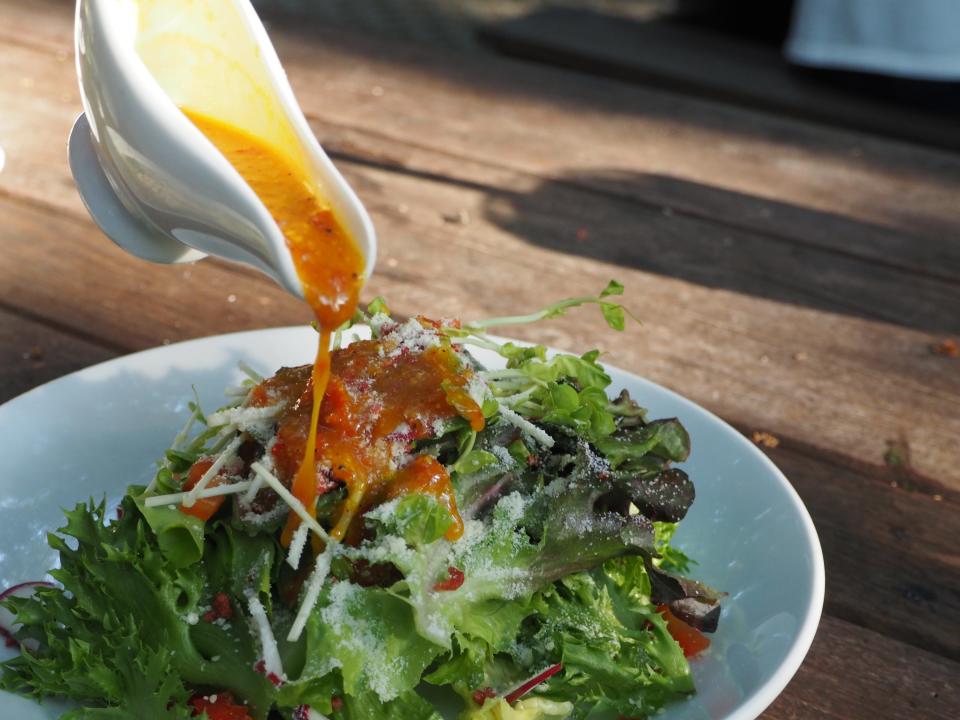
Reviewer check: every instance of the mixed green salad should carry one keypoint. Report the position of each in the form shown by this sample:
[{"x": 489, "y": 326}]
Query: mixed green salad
[{"x": 502, "y": 539}]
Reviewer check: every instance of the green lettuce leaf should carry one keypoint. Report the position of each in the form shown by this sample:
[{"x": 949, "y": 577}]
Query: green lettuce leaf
[
  {"x": 124, "y": 607},
  {"x": 369, "y": 636}
]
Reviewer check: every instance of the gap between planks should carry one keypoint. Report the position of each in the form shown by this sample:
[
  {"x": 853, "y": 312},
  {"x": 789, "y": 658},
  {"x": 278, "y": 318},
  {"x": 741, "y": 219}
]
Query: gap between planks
[
  {"x": 142, "y": 305},
  {"x": 777, "y": 155},
  {"x": 711, "y": 339},
  {"x": 843, "y": 673}
]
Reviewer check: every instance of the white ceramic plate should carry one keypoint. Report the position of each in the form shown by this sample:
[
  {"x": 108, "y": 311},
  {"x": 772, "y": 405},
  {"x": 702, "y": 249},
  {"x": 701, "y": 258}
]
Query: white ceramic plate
[{"x": 98, "y": 430}]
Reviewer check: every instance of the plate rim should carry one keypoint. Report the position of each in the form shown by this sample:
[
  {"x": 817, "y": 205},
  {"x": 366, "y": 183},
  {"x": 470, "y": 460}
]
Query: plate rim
[{"x": 764, "y": 695}]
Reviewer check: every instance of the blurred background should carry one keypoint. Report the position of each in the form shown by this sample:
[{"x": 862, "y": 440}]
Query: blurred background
[{"x": 884, "y": 66}]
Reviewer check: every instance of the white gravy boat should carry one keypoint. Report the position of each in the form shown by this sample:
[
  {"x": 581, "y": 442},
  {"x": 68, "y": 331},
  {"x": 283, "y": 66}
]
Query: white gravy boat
[{"x": 150, "y": 179}]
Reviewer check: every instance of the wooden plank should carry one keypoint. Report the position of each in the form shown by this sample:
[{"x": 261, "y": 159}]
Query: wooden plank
[
  {"x": 891, "y": 554},
  {"x": 725, "y": 349},
  {"x": 32, "y": 353},
  {"x": 564, "y": 218},
  {"x": 794, "y": 371},
  {"x": 776, "y": 175},
  {"x": 121, "y": 301},
  {"x": 862, "y": 557},
  {"x": 860, "y": 658},
  {"x": 697, "y": 60},
  {"x": 856, "y": 674}
]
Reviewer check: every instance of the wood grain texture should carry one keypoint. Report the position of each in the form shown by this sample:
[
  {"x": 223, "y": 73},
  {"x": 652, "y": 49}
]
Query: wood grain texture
[
  {"x": 726, "y": 349},
  {"x": 32, "y": 353},
  {"x": 926, "y": 684},
  {"x": 889, "y": 202},
  {"x": 821, "y": 340},
  {"x": 892, "y": 558},
  {"x": 882, "y": 581},
  {"x": 855, "y": 674}
]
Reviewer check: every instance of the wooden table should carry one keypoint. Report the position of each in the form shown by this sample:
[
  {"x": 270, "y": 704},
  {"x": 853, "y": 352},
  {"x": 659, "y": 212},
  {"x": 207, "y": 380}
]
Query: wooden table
[{"x": 792, "y": 278}]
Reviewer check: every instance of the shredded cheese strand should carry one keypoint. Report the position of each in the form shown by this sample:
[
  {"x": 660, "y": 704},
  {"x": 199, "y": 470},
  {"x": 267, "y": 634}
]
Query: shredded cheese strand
[
  {"x": 314, "y": 585},
  {"x": 217, "y": 490},
  {"x": 297, "y": 543},
  {"x": 227, "y": 454},
  {"x": 525, "y": 425},
  {"x": 268, "y": 643},
  {"x": 255, "y": 486},
  {"x": 243, "y": 416},
  {"x": 295, "y": 505}
]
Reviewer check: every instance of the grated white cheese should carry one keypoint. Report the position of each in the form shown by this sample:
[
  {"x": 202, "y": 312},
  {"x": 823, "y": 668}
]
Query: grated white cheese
[
  {"x": 295, "y": 505},
  {"x": 503, "y": 456},
  {"x": 526, "y": 426},
  {"x": 297, "y": 543},
  {"x": 217, "y": 490},
  {"x": 378, "y": 321},
  {"x": 268, "y": 643},
  {"x": 228, "y": 452},
  {"x": 314, "y": 585},
  {"x": 384, "y": 511},
  {"x": 255, "y": 486},
  {"x": 266, "y": 460},
  {"x": 478, "y": 390},
  {"x": 255, "y": 418},
  {"x": 512, "y": 507},
  {"x": 411, "y": 336}
]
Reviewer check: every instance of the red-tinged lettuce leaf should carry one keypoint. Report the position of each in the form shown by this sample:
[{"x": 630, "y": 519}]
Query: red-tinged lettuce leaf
[{"x": 693, "y": 602}]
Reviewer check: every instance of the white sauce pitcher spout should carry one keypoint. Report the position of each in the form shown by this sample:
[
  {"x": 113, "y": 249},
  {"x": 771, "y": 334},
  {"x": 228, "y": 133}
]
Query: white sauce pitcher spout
[{"x": 150, "y": 179}]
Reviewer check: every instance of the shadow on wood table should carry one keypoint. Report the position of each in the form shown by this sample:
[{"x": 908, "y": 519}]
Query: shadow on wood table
[{"x": 832, "y": 263}]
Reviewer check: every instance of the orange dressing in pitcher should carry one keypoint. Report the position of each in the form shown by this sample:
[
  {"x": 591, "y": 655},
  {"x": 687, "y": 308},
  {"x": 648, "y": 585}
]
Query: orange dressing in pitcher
[{"x": 328, "y": 262}]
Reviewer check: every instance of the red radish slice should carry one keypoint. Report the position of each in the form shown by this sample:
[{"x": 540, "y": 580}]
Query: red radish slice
[
  {"x": 533, "y": 682},
  {"x": 7, "y": 621}
]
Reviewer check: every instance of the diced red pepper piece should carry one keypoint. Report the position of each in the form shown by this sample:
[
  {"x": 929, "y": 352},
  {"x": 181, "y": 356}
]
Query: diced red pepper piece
[
  {"x": 454, "y": 580},
  {"x": 203, "y": 508},
  {"x": 691, "y": 641},
  {"x": 219, "y": 706},
  {"x": 481, "y": 696},
  {"x": 261, "y": 667},
  {"x": 221, "y": 608}
]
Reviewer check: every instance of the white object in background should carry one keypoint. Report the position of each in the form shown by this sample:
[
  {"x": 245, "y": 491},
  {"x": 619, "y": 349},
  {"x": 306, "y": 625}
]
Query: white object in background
[
  {"x": 151, "y": 180},
  {"x": 918, "y": 39}
]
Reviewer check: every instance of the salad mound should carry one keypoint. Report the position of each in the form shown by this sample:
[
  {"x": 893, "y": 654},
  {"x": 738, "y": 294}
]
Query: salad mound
[{"x": 500, "y": 533}]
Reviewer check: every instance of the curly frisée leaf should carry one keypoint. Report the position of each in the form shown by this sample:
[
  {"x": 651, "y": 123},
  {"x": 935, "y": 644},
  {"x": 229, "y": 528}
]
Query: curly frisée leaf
[{"x": 123, "y": 607}]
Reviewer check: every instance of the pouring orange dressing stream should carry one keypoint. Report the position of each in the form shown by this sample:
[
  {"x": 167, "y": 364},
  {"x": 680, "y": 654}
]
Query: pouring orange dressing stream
[
  {"x": 353, "y": 417},
  {"x": 327, "y": 259}
]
